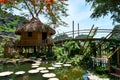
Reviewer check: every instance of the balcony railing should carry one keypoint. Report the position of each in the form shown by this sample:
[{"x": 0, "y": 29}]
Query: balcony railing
[{"x": 32, "y": 42}]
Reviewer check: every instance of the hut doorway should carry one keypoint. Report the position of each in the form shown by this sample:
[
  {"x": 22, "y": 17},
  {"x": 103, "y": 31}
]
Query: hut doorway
[{"x": 44, "y": 35}]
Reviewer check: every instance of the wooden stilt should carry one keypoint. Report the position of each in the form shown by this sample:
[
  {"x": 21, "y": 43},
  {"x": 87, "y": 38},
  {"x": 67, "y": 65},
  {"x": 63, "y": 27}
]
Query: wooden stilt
[
  {"x": 34, "y": 49},
  {"x": 100, "y": 51}
]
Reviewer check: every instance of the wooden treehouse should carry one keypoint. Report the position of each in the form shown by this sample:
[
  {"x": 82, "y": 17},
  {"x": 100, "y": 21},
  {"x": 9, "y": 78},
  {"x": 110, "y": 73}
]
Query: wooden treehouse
[{"x": 34, "y": 35}]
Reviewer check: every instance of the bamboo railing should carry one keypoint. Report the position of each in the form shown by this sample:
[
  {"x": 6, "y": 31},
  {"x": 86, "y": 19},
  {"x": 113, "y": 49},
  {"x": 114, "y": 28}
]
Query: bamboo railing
[{"x": 86, "y": 44}]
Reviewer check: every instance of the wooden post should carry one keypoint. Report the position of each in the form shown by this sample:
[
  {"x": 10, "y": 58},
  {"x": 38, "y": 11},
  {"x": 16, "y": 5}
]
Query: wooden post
[
  {"x": 51, "y": 48},
  {"x": 118, "y": 59},
  {"x": 34, "y": 49},
  {"x": 108, "y": 65},
  {"x": 73, "y": 28},
  {"x": 6, "y": 51},
  {"x": 100, "y": 50},
  {"x": 78, "y": 29}
]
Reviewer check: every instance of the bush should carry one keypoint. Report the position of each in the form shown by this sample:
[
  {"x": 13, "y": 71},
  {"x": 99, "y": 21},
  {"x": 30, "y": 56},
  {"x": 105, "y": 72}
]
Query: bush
[{"x": 100, "y": 69}]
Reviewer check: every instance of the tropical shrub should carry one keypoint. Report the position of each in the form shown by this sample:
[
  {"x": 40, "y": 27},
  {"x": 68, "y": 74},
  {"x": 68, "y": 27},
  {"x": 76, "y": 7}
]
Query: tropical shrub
[
  {"x": 75, "y": 60},
  {"x": 100, "y": 69},
  {"x": 60, "y": 54},
  {"x": 72, "y": 48},
  {"x": 68, "y": 52}
]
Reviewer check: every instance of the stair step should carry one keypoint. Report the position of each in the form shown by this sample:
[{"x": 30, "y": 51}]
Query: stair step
[
  {"x": 116, "y": 75},
  {"x": 117, "y": 70}
]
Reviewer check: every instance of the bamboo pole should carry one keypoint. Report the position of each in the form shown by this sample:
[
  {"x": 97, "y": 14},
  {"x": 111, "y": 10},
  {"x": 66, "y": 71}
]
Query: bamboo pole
[
  {"x": 73, "y": 28},
  {"x": 78, "y": 29}
]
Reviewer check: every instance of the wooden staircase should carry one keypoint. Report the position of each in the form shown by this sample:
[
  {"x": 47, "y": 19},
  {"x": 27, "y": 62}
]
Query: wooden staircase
[{"x": 116, "y": 71}]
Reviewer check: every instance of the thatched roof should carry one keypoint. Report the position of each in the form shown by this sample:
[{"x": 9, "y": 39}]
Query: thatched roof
[{"x": 34, "y": 25}]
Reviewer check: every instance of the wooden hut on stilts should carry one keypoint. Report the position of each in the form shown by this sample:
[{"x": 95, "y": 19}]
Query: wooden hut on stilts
[{"x": 34, "y": 36}]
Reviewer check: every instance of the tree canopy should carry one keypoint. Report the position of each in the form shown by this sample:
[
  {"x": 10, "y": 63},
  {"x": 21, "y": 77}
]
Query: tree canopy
[
  {"x": 53, "y": 10},
  {"x": 105, "y": 7}
]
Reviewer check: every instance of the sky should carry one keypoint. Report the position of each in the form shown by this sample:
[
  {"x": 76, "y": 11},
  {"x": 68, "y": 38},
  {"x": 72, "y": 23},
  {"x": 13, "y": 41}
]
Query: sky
[{"x": 79, "y": 12}]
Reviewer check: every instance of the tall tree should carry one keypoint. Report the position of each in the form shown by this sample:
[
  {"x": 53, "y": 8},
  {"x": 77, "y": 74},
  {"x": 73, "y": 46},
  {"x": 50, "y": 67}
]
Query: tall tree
[
  {"x": 105, "y": 7},
  {"x": 53, "y": 10}
]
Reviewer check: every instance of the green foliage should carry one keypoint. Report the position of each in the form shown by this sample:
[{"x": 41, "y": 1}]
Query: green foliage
[
  {"x": 72, "y": 51},
  {"x": 68, "y": 52},
  {"x": 105, "y": 7},
  {"x": 72, "y": 47},
  {"x": 52, "y": 10},
  {"x": 75, "y": 73},
  {"x": 62, "y": 56},
  {"x": 75, "y": 60},
  {"x": 116, "y": 31},
  {"x": 49, "y": 54},
  {"x": 17, "y": 56},
  {"x": 10, "y": 22},
  {"x": 101, "y": 69},
  {"x": 4, "y": 40}
]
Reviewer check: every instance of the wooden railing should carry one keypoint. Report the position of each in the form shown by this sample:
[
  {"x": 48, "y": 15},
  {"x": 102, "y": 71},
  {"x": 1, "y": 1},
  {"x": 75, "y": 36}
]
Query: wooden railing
[
  {"x": 109, "y": 58},
  {"x": 27, "y": 43},
  {"x": 32, "y": 43},
  {"x": 97, "y": 61}
]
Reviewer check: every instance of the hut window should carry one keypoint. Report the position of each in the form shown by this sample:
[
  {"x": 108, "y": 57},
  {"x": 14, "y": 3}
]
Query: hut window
[
  {"x": 44, "y": 35},
  {"x": 29, "y": 34}
]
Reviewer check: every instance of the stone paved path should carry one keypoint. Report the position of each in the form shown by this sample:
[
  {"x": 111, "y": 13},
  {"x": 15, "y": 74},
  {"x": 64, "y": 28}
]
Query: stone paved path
[{"x": 94, "y": 77}]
